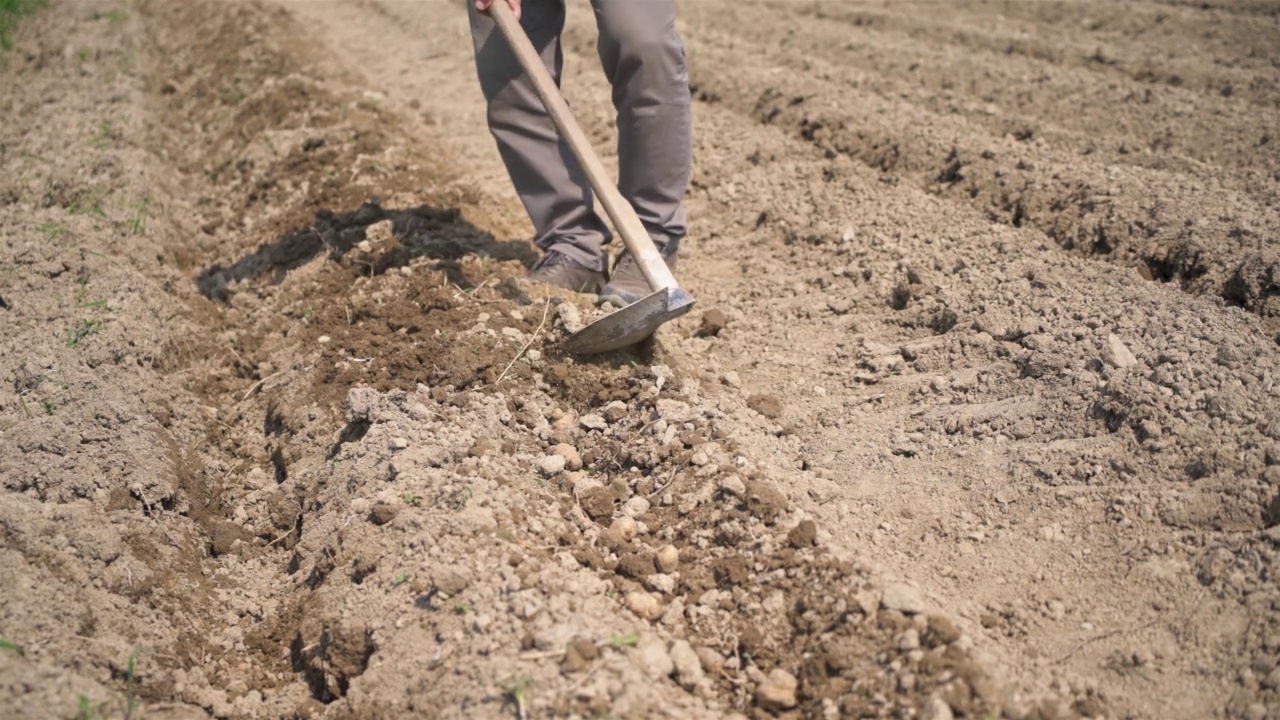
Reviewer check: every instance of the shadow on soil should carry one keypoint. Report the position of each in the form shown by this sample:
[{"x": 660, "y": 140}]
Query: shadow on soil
[{"x": 427, "y": 231}]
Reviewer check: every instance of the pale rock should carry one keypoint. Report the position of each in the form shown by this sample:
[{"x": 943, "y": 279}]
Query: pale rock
[
  {"x": 635, "y": 507},
  {"x": 568, "y": 318},
  {"x": 572, "y": 459},
  {"x": 660, "y": 582},
  {"x": 651, "y": 655},
  {"x": 399, "y": 443},
  {"x": 668, "y": 558},
  {"x": 731, "y": 379},
  {"x": 323, "y": 339},
  {"x": 550, "y": 465},
  {"x": 778, "y": 691},
  {"x": 583, "y": 483},
  {"x": 909, "y": 640},
  {"x": 593, "y": 422},
  {"x": 733, "y": 485},
  {"x": 644, "y": 605},
  {"x": 625, "y": 527},
  {"x": 1116, "y": 354},
  {"x": 903, "y": 598},
  {"x": 674, "y": 411},
  {"x": 688, "y": 668},
  {"x": 936, "y": 709},
  {"x": 712, "y": 661},
  {"x": 378, "y": 233}
]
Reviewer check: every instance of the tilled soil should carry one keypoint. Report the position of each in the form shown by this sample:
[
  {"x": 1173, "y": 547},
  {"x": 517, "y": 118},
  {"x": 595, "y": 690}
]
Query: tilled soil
[{"x": 975, "y": 418}]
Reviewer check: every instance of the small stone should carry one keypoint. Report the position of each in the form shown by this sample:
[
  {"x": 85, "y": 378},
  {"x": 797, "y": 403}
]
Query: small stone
[
  {"x": 323, "y": 339},
  {"x": 778, "y": 691},
  {"x": 615, "y": 411},
  {"x": 942, "y": 631},
  {"x": 450, "y": 581},
  {"x": 909, "y": 640},
  {"x": 733, "y": 485},
  {"x": 731, "y": 379},
  {"x": 364, "y": 246},
  {"x": 568, "y": 317},
  {"x": 712, "y": 661},
  {"x": 399, "y": 443},
  {"x": 550, "y": 465},
  {"x": 572, "y": 459},
  {"x": 668, "y": 558},
  {"x": 379, "y": 232},
  {"x": 382, "y": 513},
  {"x": 625, "y": 528},
  {"x": 593, "y": 422},
  {"x": 688, "y": 668},
  {"x": 700, "y": 459},
  {"x": 674, "y": 411},
  {"x": 660, "y": 582},
  {"x": 652, "y": 657},
  {"x": 644, "y": 604},
  {"x": 597, "y": 503},
  {"x": 635, "y": 507},
  {"x": 840, "y": 306},
  {"x": 481, "y": 446},
  {"x": 1116, "y": 354},
  {"x": 803, "y": 535},
  {"x": 767, "y": 405},
  {"x": 936, "y": 709},
  {"x": 713, "y": 321},
  {"x": 903, "y": 598}
]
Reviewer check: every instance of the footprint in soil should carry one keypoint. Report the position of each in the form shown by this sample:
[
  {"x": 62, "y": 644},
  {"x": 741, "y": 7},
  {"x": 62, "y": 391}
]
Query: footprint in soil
[{"x": 420, "y": 231}]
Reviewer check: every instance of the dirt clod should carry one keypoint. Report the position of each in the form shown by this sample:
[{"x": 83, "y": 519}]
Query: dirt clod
[{"x": 778, "y": 691}]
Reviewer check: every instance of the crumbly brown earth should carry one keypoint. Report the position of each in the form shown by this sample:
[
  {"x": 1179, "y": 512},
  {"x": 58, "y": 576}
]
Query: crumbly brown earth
[{"x": 976, "y": 416}]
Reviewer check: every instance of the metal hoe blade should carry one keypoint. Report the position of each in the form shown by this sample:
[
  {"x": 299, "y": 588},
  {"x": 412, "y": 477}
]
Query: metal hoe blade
[{"x": 632, "y": 324}]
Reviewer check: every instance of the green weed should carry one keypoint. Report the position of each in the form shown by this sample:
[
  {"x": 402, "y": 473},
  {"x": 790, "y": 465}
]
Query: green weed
[
  {"x": 89, "y": 710},
  {"x": 139, "y": 222},
  {"x": 401, "y": 579},
  {"x": 462, "y": 608},
  {"x": 115, "y": 17},
  {"x": 515, "y": 691},
  {"x": 100, "y": 305},
  {"x": 82, "y": 330},
  {"x": 411, "y": 499},
  {"x": 48, "y": 406},
  {"x": 52, "y": 231},
  {"x": 631, "y": 639},
  {"x": 10, "y": 11},
  {"x": 10, "y": 645},
  {"x": 459, "y": 498},
  {"x": 102, "y": 135},
  {"x": 83, "y": 54}
]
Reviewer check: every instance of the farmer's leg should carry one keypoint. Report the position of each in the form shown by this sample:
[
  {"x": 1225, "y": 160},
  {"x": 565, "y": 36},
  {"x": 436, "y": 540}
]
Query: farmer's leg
[
  {"x": 551, "y": 184},
  {"x": 643, "y": 57}
]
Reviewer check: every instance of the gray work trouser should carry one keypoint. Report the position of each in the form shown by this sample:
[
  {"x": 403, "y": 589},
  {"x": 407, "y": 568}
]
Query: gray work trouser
[{"x": 643, "y": 59}]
